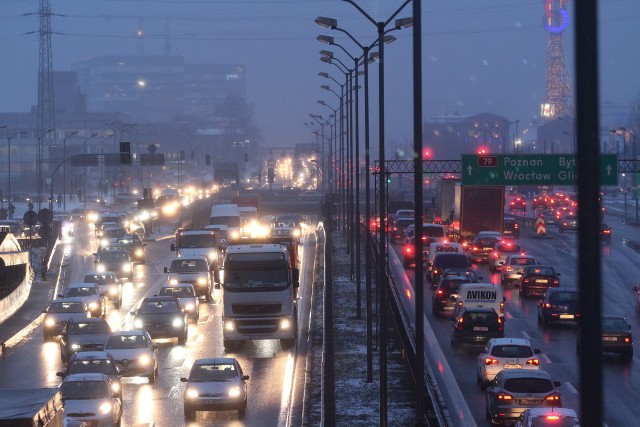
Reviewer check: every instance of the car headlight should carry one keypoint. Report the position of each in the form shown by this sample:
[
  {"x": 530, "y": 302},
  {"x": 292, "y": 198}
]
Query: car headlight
[
  {"x": 137, "y": 323},
  {"x": 213, "y": 256},
  {"x": 177, "y": 322},
  {"x": 189, "y": 307},
  {"x": 126, "y": 267},
  {"x": 76, "y": 346},
  {"x": 113, "y": 291},
  {"x": 144, "y": 360},
  {"x": 139, "y": 252},
  {"x": 92, "y": 217},
  {"x": 49, "y": 322},
  {"x": 296, "y": 233},
  {"x": 173, "y": 281},
  {"x": 105, "y": 408},
  {"x": 234, "y": 391},
  {"x": 285, "y": 324},
  {"x": 100, "y": 268},
  {"x": 104, "y": 242},
  {"x": 202, "y": 280},
  {"x": 191, "y": 393},
  {"x": 229, "y": 326},
  {"x": 93, "y": 305},
  {"x": 115, "y": 387}
]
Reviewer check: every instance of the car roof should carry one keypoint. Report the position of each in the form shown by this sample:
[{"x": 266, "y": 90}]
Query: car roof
[
  {"x": 215, "y": 361},
  {"x": 554, "y": 290},
  {"x": 160, "y": 298},
  {"x": 128, "y": 333},
  {"x": 90, "y": 320},
  {"x": 177, "y": 285},
  {"x": 92, "y": 376},
  {"x": 512, "y": 341},
  {"x": 525, "y": 373},
  {"x": 98, "y": 273},
  {"x": 521, "y": 256},
  {"x": 613, "y": 316},
  {"x": 81, "y": 285},
  {"x": 68, "y": 300}
]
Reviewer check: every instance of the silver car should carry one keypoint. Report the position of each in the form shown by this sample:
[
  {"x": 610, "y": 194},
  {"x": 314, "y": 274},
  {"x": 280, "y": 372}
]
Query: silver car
[
  {"x": 506, "y": 353},
  {"x": 59, "y": 312},
  {"x": 90, "y": 399},
  {"x": 135, "y": 353},
  {"x": 215, "y": 384},
  {"x": 90, "y": 294},
  {"x": 513, "y": 266},
  {"x": 108, "y": 284},
  {"x": 186, "y": 295}
]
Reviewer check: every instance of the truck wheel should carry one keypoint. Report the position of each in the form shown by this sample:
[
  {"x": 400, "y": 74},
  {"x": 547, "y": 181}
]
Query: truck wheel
[
  {"x": 230, "y": 345},
  {"x": 287, "y": 343},
  {"x": 208, "y": 297},
  {"x": 189, "y": 414}
]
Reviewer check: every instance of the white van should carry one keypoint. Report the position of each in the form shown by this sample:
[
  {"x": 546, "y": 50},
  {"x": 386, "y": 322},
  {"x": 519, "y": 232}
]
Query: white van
[
  {"x": 443, "y": 248},
  {"x": 480, "y": 295},
  {"x": 229, "y": 215}
]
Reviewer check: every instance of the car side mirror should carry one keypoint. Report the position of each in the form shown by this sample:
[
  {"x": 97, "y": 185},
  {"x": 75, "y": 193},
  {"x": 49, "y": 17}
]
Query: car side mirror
[
  {"x": 501, "y": 263},
  {"x": 504, "y": 299},
  {"x": 173, "y": 247},
  {"x": 245, "y": 377},
  {"x": 536, "y": 351},
  {"x": 629, "y": 327},
  {"x": 183, "y": 380},
  {"x": 557, "y": 383},
  {"x": 520, "y": 273},
  {"x": 166, "y": 270},
  {"x": 95, "y": 254},
  {"x": 144, "y": 244},
  {"x": 216, "y": 286},
  {"x": 60, "y": 374}
]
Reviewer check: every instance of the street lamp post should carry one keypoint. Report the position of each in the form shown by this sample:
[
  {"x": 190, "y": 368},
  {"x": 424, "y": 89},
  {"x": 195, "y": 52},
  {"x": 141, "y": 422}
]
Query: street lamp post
[
  {"x": 39, "y": 166},
  {"x": 84, "y": 172},
  {"x": 64, "y": 169},
  {"x": 9, "y": 161}
]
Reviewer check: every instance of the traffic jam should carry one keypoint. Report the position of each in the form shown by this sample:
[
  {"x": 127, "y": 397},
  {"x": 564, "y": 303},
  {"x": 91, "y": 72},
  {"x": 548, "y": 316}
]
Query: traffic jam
[
  {"x": 504, "y": 308},
  {"x": 136, "y": 317}
]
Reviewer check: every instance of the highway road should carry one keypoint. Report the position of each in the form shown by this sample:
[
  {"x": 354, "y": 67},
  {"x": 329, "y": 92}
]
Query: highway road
[
  {"x": 274, "y": 391},
  {"x": 621, "y": 270}
]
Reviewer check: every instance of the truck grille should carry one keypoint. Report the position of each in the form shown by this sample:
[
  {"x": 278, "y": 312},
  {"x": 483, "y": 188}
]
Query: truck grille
[
  {"x": 256, "y": 309},
  {"x": 257, "y": 327}
]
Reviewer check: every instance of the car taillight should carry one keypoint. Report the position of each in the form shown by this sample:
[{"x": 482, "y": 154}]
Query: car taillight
[
  {"x": 556, "y": 281},
  {"x": 494, "y": 254},
  {"x": 460, "y": 326},
  {"x": 535, "y": 361},
  {"x": 504, "y": 396},
  {"x": 549, "y": 305},
  {"x": 552, "y": 417},
  {"x": 491, "y": 361},
  {"x": 607, "y": 231},
  {"x": 408, "y": 249},
  {"x": 440, "y": 292},
  {"x": 525, "y": 280},
  {"x": 501, "y": 308},
  {"x": 500, "y": 323},
  {"x": 475, "y": 248},
  {"x": 553, "y": 397},
  {"x": 515, "y": 226},
  {"x": 627, "y": 339},
  {"x": 508, "y": 268}
]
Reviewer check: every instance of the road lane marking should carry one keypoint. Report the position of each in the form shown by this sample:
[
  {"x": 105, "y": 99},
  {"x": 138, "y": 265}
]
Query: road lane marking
[
  {"x": 508, "y": 315},
  {"x": 571, "y": 388},
  {"x": 526, "y": 335},
  {"x": 546, "y": 358}
]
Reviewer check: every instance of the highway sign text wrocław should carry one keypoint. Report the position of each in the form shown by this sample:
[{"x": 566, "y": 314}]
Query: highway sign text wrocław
[{"x": 531, "y": 169}]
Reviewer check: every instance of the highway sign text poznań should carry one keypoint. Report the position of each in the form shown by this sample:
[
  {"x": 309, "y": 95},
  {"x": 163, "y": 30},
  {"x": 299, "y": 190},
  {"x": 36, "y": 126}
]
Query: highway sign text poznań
[{"x": 531, "y": 169}]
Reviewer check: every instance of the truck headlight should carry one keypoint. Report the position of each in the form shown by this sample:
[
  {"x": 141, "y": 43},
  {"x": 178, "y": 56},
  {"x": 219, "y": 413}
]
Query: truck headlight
[
  {"x": 126, "y": 267},
  {"x": 100, "y": 268},
  {"x": 49, "y": 322},
  {"x": 177, "y": 322},
  {"x": 144, "y": 360},
  {"x": 285, "y": 324},
  {"x": 189, "y": 307},
  {"x": 115, "y": 387},
  {"x": 213, "y": 256},
  {"x": 105, "y": 408},
  {"x": 113, "y": 291},
  {"x": 137, "y": 324},
  {"x": 229, "y": 326},
  {"x": 76, "y": 347},
  {"x": 139, "y": 252},
  {"x": 191, "y": 393},
  {"x": 104, "y": 242},
  {"x": 235, "y": 235},
  {"x": 296, "y": 233},
  {"x": 234, "y": 391},
  {"x": 93, "y": 306},
  {"x": 202, "y": 280},
  {"x": 173, "y": 281}
]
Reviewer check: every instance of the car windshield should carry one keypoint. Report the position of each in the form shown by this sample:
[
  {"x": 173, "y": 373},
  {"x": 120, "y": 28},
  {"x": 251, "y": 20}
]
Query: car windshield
[
  {"x": 180, "y": 292},
  {"x": 81, "y": 292},
  {"x": 188, "y": 266},
  {"x": 80, "y": 328},
  {"x": 66, "y": 307},
  {"x": 114, "y": 257},
  {"x": 150, "y": 307},
  {"x": 207, "y": 240},
  {"x": 511, "y": 351},
  {"x": 433, "y": 231},
  {"x": 614, "y": 325},
  {"x": 126, "y": 342},
  {"x": 213, "y": 372},
  {"x": 98, "y": 366},
  {"x": 522, "y": 261},
  {"x": 100, "y": 278},
  {"x": 114, "y": 232},
  {"x": 563, "y": 297},
  {"x": 528, "y": 385},
  {"x": 541, "y": 271},
  {"x": 84, "y": 390}
]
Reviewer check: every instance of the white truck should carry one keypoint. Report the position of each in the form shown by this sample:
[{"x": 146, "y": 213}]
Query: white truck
[
  {"x": 229, "y": 215},
  {"x": 260, "y": 294},
  {"x": 195, "y": 243}
]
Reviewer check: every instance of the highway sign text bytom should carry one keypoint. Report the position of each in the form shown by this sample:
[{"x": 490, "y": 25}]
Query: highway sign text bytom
[{"x": 531, "y": 169}]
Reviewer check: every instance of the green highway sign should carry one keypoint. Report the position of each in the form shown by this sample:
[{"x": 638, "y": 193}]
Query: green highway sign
[{"x": 531, "y": 169}]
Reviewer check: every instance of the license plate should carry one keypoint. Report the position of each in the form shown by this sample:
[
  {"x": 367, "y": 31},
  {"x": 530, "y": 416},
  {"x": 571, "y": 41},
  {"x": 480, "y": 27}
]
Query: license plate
[
  {"x": 609, "y": 338},
  {"x": 530, "y": 401},
  {"x": 567, "y": 316},
  {"x": 541, "y": 281},
  {"x": 512, "y": 366},
  {"x": 480, "y": 328}
]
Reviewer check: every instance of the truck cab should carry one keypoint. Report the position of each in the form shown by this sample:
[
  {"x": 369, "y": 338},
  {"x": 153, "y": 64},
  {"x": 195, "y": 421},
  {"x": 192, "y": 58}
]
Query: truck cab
[{"x": 194, "y": 243}]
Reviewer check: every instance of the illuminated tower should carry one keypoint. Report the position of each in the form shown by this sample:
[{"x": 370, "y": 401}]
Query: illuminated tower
[{"x": 558, "y": 92}]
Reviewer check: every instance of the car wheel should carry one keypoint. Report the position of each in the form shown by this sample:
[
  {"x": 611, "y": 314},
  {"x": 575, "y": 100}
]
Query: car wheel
[
  {"x": 539, "y": 319},
  {"x": 627, "y": 356},
  {"x": 435, "y": 310},
  {"x": 208, "y": 297},
  {"x": 182, "y": 339},
  {"x": 242, "y": 411},
  {"x": 545, "y": 323},
  {"x": 189, "y": 414},
  {"x": 119, "y": 422}
]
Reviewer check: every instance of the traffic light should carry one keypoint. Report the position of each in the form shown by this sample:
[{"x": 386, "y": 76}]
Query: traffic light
[
  {"x": 125, "y": 153},
  {"x": 426, "y": 154},
  {"x": 483, "y": 150}
]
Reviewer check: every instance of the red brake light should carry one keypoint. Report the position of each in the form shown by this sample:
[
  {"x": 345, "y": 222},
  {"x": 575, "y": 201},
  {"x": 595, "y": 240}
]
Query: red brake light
[
  {"x": 515, "y": 226},
  {"x": 627, "y": 339},
  {"x": 490, "y": 361},
  {"x": 504, "y": 396},
  {"x": 501, "y": 311},
  {"x": 534, "y": 361},
  {"x": 494, "y": 254},
  {"x": 553, "y": 397},
  {"x": 408, "y": 249},
  {"x": 553, "y": 417},
  {"x": 440, "y": 292}
]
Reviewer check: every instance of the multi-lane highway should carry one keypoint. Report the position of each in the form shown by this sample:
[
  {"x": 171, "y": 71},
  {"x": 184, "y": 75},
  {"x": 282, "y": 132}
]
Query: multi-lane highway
[
  {"x": 273, "y": 397},
  {"x": 558, "y": 344}
]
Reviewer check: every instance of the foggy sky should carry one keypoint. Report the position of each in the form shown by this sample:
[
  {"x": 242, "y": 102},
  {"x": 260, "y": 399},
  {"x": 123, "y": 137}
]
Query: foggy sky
[{"x": 479, "y": 55}]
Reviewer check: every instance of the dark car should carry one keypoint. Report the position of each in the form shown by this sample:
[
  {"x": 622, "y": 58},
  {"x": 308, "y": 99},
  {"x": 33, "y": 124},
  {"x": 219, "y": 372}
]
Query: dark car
[
  {"x": 605, "y": 232},
  {"x": 518, "y": 204},
  {"x": 476, "y": 326},
  {"x": 482, "y": 245},
  {"x": 409, "y": 252},
  {"x": 83, "y": 335},
  {"x": 134, "y": 246},
  {"x": 536, "y": 279},
  {"x": 162, "y": 317},
  {"x": 94, "y": 362},
  {"x": 559, "y": 305},
  {"x": 510, "y": 227},
  {"x": 513, "y": 391},
  {"x": 616, "y": 337},
  {"x": 445, "y": 261},
  {"x": 568, "y": 222},
  {"x": 448, "y": 287},
  {"x": 548, "y": 417},
  {"x": 397, "y": 229}
]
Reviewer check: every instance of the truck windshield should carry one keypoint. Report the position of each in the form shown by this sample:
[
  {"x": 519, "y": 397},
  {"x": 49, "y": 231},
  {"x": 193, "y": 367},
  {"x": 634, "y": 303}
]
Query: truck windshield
[
  {"x": 229, "y": 221},
  {"x": 238, "y": 279},
  {"x": 197, "y": 241}
]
